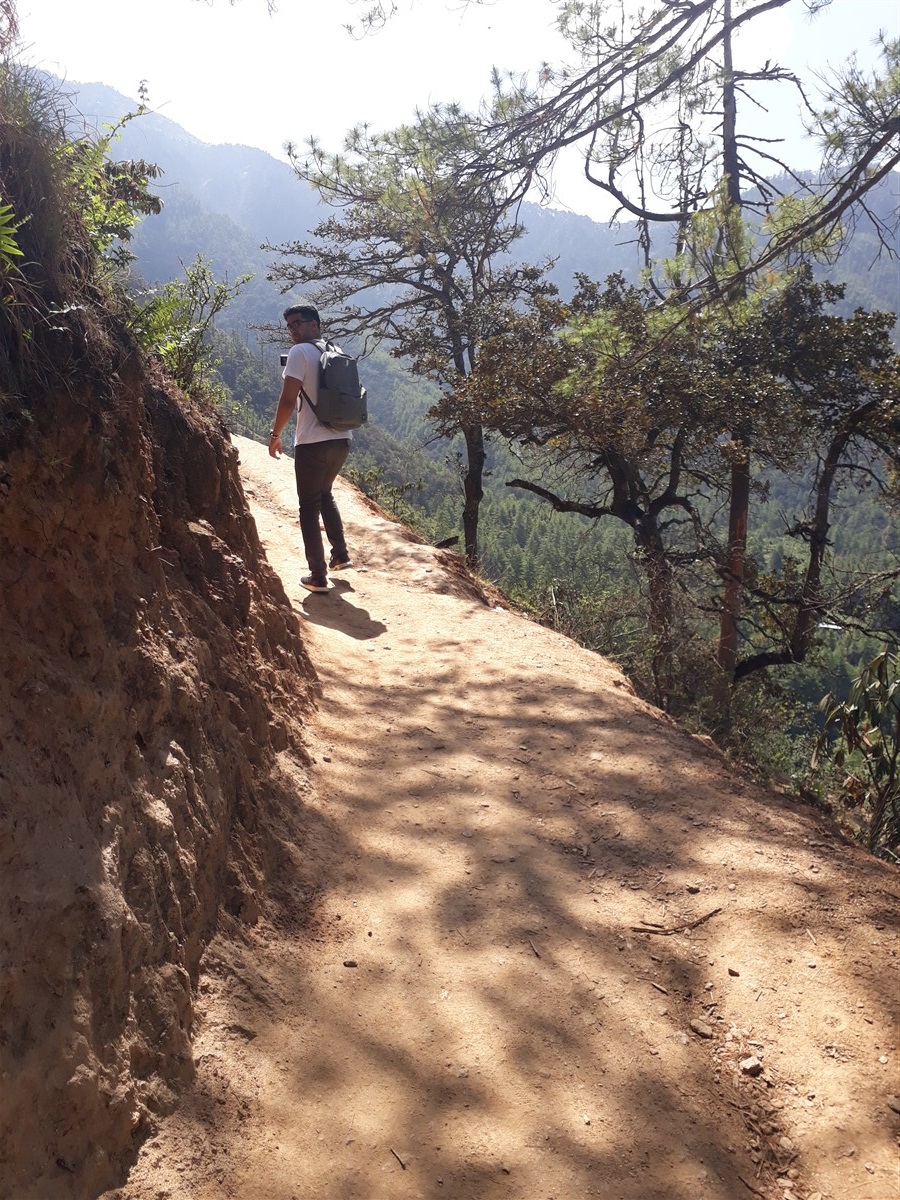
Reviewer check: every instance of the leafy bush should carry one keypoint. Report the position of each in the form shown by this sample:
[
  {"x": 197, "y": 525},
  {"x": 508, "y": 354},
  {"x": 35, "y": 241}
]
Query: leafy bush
[
  {"x": 65, "y": 212},
  {"x": 862, "y": 737},
  {"x": 176, "y": 324}
]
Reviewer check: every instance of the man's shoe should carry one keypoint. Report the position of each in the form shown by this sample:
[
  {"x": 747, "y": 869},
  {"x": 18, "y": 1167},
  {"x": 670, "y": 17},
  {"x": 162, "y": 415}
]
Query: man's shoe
[
  {"x": 314, "y": 585},
  {"x": 340, "y": 566}
]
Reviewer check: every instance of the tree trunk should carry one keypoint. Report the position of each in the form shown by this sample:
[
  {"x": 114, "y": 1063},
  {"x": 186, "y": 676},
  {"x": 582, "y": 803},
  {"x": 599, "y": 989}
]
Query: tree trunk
[
  {"x": 659, "y": 586},
  {"x": 740, "y": 471},
  {"x": 734, "y": 564},
  {"x": 810, "y": 607},
  {"x": 730, "y": 158},
  {"x": 472, "y": 489}
]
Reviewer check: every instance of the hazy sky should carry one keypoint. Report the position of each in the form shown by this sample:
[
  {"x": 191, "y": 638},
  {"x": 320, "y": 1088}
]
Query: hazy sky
[{"x": 233, "y": 73}]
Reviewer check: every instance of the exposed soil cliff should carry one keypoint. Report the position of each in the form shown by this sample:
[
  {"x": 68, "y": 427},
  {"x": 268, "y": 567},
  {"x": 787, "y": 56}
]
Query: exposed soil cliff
[{"x": 150, "y": 666}]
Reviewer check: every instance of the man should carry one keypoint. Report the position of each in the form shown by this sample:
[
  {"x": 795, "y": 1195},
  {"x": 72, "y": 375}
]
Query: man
[{"x": 319, "y": 452}]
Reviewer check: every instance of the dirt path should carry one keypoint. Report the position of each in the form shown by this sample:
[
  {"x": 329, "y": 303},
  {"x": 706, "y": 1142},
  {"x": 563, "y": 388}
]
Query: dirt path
[{"x": 491, "y": 814}]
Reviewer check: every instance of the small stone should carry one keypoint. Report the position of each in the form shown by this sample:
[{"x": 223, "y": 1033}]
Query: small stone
[
  {"x": 751, "y": 1066},
  {"x": 350, "y": 962},
  {"x": 701, "y": 1028},
  {"x": 693, "y": 889},
  {"x": 733, "y": 973},
  {"x": 883, "y": 1060},
  {"x": 785, "y": 1143},
  {"x": 894, "y": 1103},
  {"x": 870, "y": 1167}
]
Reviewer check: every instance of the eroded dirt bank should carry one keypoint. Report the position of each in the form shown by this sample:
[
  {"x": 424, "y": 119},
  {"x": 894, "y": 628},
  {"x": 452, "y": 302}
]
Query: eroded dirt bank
[
  {"x": 150, "y": 672},
  {"x": 493, "y": 821}
]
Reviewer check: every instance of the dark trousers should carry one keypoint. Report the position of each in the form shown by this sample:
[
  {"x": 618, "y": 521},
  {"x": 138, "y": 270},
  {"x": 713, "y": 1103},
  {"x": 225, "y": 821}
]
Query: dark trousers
[{"x": 316, "y": 466}]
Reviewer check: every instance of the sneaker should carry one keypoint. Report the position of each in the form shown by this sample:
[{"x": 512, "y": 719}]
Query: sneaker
[
  {"x": 314, "y": 585},
  {"x": 340, "y": 566}
]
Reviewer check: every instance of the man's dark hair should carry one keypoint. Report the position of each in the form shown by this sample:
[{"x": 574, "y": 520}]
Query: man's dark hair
[{"x": 306, "y": 311}]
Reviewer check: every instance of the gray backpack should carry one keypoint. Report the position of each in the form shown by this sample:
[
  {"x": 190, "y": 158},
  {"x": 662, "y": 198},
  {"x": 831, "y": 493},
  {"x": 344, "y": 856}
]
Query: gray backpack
[{"x": 341, "y": 405}]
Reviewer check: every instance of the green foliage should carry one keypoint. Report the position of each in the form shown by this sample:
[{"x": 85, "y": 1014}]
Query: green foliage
[
  {"x": 111, "y": 195},
  {"x": 641, "y": 407},
  {"x": 176, "y": 324},
  {"x": 393, "y": 498},
  {"x": 666, "y": 121},
  {"x": 860, "y": 114},
  {"x": 862, "y": 735},
  {"x": 239, "y": 416},
  {"x": 9, "y": 247},
  {"x": 65, "y": 212}
]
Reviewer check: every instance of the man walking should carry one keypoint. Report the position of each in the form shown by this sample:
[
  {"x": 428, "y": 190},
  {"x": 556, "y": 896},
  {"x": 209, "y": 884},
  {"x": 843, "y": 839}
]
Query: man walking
[{"x": 319, "y": 452}]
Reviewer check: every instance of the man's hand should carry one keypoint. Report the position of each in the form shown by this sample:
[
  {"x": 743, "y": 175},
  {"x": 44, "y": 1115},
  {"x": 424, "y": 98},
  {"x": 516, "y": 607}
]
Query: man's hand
[{"x": 286, "y": 411}]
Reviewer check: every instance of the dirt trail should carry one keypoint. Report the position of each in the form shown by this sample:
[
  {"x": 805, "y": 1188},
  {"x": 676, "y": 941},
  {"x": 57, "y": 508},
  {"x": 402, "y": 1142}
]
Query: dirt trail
[{"x": 471, "y": 1014}]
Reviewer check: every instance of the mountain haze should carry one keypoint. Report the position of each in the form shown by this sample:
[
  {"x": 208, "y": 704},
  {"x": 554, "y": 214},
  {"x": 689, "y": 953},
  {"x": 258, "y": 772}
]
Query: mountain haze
[
  {"x": 263, "y": 201},
  {"x": 227, "y": 201}
]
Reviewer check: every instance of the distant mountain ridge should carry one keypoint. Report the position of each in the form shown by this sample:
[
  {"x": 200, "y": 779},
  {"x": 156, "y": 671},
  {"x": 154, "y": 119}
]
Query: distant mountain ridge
[
  {"x": 256, "y": 199},
  {"x": 227, "y": 201}
]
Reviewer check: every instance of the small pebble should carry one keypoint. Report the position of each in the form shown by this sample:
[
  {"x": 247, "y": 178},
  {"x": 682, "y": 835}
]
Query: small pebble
[
  {"x": 751, "y": 1066},
  {"x": 701, "y": 1028}
]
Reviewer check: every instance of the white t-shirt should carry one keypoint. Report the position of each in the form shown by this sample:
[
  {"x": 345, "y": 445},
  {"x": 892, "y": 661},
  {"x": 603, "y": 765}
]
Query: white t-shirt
[{"x": 303, "y": 364}]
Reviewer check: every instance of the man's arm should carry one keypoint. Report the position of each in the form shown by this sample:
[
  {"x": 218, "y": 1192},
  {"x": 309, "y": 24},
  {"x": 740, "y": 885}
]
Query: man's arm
[{"x": 287, "y": 406}]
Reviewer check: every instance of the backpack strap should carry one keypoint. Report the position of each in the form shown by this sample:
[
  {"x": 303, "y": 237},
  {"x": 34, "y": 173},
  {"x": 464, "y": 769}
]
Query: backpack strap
[{"x": 320, "y": 344}]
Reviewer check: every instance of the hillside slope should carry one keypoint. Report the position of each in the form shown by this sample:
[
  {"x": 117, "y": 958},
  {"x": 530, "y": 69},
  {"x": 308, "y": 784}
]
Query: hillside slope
[{"x": 549, "y": 929}]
